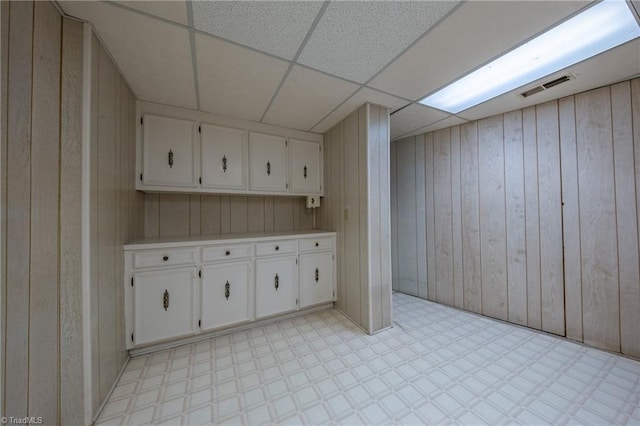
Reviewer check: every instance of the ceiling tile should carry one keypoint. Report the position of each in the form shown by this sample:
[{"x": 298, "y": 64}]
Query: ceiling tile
[
  {"x": 271, "y": 26},
  {"x": 154, "y": 56},
  {"x": 305, "y": 97},
  {"x": 355, "y": 39},
  {"x": 442, "y": 124},
  {"x": 173, "y": 10},
  {"x": 236, "y": 81},
  {"x": 615, "y": 65},
  {"x": 412, "y": 118},
  {"x": 363, "y": 95},
  {"x": 475, "y": 33}
]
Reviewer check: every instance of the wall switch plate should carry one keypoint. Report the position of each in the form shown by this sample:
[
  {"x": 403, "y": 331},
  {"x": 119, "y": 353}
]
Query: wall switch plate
[{"x": 313, "y": 201}]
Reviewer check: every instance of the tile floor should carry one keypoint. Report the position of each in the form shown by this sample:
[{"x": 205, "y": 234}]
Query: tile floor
[{"x": 437, "y": 365}]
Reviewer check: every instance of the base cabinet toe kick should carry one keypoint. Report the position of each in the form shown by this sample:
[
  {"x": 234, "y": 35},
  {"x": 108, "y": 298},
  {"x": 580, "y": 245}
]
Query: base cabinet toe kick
[{"x": 178, "y": 289}]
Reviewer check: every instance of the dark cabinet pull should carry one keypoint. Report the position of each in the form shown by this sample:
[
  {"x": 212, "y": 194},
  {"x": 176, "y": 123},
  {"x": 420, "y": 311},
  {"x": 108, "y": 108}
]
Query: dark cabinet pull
[
  {"x": 227, "y": 290},
  {"x": 165, "y": 300},
  {"x": 165, "y": 258},
  {"x": 277, "y": 248},
  {"x": 305, "y": 171},
  {"x": 317, "y": 274},
  {"x": 170, "y": 158},
  {"x": 268, "y": 168},
  {"x": 224, "y": 163},
  {"x": 276, "y": 282},
  {"x": 227, "y": 252},
  {"x": 317, "y": 244}
]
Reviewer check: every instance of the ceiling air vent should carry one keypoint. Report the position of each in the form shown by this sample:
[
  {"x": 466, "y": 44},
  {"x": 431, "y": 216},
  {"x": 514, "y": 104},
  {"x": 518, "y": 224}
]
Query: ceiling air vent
[{"x": 547, "y": 85}]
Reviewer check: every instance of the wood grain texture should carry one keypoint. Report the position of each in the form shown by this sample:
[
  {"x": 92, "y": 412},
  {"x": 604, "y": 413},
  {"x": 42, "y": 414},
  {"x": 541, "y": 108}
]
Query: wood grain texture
[
  {"x": 600, "y": 292},
  {"x": 532, "y": 231},
  {"x": 492, "y": 218},
  {"x": 363, "y": 213},
  {"x": 371, "y": 145},
  {"x": 283, "y": 214},
  {"x": 209, "y": 214},
  {"x": 515, "y": 219},
  {"x": 550, "y": 210},
  {"x": 225, "y": 214},
  {"x": 407, "y": 217},
  {"x": 394, "y": 217},
  {"x": 151, "y": 215},
  {"x": 255, "y": 214},
  {"x": 194, "y": 215},
  {"x": 108, "y": 368},
  {"x": 385, "y": 217},
  {"x": 471, "y": 261},
  {"x": 421, "y": 222},
  {"x": 445, "y": 291},
  {"x": 45, "y": 146},
  {"x": 570, "y": 219},
  {"x": 239, "y": 214},
  {"x": 4, "y": 74},
  {"x": 456, "y": 219},
  {"x": 627, "y": 219},
  {"x": 19, "y": 209},
  {"x": 430, "y": 217},
  {"x": 629, "y": 344},
  {"x": 174, "y": 214}
]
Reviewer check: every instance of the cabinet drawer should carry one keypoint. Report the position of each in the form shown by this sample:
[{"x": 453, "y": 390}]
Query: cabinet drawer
[
  {"x": 316, "y": 244},
  {"x": 145, "y": 259},
  {"x": 222, "y": 252},
  {"x": 275, "y": 247}
]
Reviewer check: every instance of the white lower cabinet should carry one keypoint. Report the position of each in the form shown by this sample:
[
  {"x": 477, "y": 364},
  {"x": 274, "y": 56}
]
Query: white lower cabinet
[
  {"x": 164, "y": 304},
  {"x": 225, "y": 294},
  {"x": 316, "y": 278},
  {"x": 275, "y": 285},
  {"x": 178, "y": 289}
]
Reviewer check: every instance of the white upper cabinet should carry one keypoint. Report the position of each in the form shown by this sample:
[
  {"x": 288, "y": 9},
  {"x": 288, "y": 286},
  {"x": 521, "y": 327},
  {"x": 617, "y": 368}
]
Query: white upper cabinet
[
  {"x": 267, "y": 162},
  {"x": 304, "y": 167},
  {"x": 223, "y": 157},
  {"x": 169, "y": 152}
]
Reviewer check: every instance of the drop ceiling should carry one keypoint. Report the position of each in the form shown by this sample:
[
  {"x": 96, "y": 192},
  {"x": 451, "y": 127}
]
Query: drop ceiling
[{"x": 308, "y": 64}]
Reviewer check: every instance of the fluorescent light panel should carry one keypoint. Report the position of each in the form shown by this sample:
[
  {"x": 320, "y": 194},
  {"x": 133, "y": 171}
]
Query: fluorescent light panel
[{"x": 601, "y": 27}]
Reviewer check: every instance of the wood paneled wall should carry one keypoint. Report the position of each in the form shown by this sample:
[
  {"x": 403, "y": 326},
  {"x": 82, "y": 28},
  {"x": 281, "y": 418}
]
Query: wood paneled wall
[
  {"x": 116, "y": 215},
  {"x": 356, "y": 206},
  {"x": 503, "y": 195},
  {"x": 180, "y": 214}
]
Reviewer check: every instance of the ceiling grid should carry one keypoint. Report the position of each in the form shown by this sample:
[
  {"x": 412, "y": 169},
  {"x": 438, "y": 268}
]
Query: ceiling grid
[{"x": 307, "y": 65}]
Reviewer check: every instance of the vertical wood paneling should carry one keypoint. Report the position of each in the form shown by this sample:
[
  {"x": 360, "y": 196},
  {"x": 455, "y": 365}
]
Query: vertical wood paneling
[
  {"x": 151, "y": 215},
  {"x": 351, "y": 232},
  {"x": 45, "y": 144},
  {"x": 370, "y": 144},
  {"x": 445, "y": 292},
  {"x": 18, "y": 208},
  {"x": 394, "y": 217},
  {"x": 515, "y": 219},
  {"x": 598, "y": 219},
  {"x": 194, "y": 215},
  {"x": 633, "y": 346},
  {"x": 570, "y": 219},
  {"x": 363, "y": 220},
  {"x": 456, "y": 218},
  {"x": 471, "y": 261},
  {"x": 339, "y": 223},
  {"x": 532, "y": 223},
  {"x": 628, "y": 257},
  {"x": 383, "y": 226},
  {"x": 225, "y": 214},
  {"x": 106, "y": 223},
  {"x": 239, "y": 214},
  {"x": 407, "y": 217},
  {"x": 421, "y": 222},
  {"x": 283, "y": 214},
  {"x": 550, "y": 209},
  {"x": 209, "y": 214},
  {"x": 430, "y": 217},
  {"x": 268, "y": 214},
  {"x": 4, "y": 73},
  {"x": 492, "y": 217},
  {"x": 255, "y": 218},
  {"x": 174, "y": 215}
]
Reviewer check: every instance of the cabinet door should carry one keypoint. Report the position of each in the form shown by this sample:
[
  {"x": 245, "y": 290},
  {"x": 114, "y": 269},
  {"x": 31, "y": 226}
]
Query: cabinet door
[
  {"x": 275, "y": 286},
  {"x": 169, "y": 147},
  {"x": 267, "y": 162},
  {"x": 316, "y": 279},
  {"x": 163, "y": 304},
  {"x": 224, "y": 157},
  {"x": 304, "y": 166},
  {"x": 225, "y": 294}
]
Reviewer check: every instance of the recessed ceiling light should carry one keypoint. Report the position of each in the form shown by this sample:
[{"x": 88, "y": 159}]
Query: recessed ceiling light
[{"x": 601, "y": 27}]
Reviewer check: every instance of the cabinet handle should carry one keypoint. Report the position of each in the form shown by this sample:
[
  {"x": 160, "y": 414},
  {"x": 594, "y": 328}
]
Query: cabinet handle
[
  {"x": 277, "y": 248},
  {"x": 268, "y": 168},
  {"x": 305, "y": 171},
  {"x": 227, "y": 288},
  {"x": 317, "y": 244},
  {"x": 165, "y": 300},
  {"x": 276, "y": 282},
  {"x": 317, "y": 274},
  {"x": 224, "y": 163},
  {"x": 227, "y": 253},
  {"x": 165, "y": 258},
  {"x": 170, "y": 158}
]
